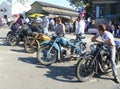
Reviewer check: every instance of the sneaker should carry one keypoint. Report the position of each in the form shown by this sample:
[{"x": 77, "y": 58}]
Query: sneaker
[{"x": 117, "y": 80}]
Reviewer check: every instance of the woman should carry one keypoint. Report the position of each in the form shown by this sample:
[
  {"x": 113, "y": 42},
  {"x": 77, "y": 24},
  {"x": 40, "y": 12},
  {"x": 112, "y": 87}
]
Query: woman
[{"x": 60, "y": 28}]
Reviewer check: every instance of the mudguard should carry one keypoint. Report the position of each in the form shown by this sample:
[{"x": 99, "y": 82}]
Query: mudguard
[{"x": 55, "y": 45}]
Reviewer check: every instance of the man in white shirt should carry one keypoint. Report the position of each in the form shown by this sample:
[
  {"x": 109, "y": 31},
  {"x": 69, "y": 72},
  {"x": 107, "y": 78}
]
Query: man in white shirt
[
  {"x": 45, "y": 25},
  {"x": 108, "y": 39},
  {"x": 81, "y": 27}
]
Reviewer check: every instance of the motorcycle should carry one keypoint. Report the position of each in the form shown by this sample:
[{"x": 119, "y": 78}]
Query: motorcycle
[
  {"x": 95, "y": 61},
  {"x": 59, "y": 49},
  {"x": 32, "y": 44},
  {"x": 18, "y": 34}
]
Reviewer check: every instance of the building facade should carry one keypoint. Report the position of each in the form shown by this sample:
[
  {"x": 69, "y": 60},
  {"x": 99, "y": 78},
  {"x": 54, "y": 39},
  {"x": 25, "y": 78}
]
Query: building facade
[
  {"x": 105, "y": 9},
  {"x": 14, "y": 7},
  {"x": 51, "y": 10}
]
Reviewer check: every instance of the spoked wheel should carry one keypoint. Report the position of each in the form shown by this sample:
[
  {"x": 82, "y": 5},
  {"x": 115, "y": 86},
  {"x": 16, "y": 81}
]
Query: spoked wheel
[
  {"x": 45, "y": 57},
  {"x": 30, "y": 48},
  {"x": 12, "y": 40},
  {"x": 85, "y": 69},
  {"x": 8, "y": 36}
]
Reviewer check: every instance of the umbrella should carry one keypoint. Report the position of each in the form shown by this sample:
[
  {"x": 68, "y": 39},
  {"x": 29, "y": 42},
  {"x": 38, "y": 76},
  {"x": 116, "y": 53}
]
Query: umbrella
[{"x": 33, "y": 15}]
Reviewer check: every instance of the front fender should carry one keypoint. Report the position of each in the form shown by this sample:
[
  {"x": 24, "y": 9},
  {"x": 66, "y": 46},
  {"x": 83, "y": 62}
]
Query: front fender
[{"x": 55, "y": 45}]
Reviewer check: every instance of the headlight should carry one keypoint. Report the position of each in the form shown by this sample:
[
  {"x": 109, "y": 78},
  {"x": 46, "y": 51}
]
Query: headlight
[{"x": 92, "y": 47}]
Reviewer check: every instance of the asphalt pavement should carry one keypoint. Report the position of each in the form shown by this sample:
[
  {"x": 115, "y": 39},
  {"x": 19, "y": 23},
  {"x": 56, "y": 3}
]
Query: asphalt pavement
[{"x": 20, "y": 70}]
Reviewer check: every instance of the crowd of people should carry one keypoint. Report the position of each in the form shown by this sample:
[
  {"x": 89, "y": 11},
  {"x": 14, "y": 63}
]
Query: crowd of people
[
  {"x": 114, "y": 28},
  {"x": 44, "y": 24}
]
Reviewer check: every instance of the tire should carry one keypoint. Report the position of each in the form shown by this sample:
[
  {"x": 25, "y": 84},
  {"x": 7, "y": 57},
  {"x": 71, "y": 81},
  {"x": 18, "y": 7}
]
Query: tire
[
  {"x": 84, "y": 69},
  {"x": 7, "y": 37},
  {"x": 28, "y": 48},
  {"x": 42, "y": 57},
  {"x": 12, "y": 40}
]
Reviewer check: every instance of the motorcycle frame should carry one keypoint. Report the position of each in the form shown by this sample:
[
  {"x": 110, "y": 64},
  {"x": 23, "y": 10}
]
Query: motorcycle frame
[{"x": 96, "y": 61}]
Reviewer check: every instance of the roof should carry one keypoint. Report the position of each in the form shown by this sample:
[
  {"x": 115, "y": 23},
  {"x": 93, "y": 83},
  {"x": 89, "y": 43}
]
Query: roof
[
  {"x": 61, "y": 13},
  {"x": 55, "y": 6}
]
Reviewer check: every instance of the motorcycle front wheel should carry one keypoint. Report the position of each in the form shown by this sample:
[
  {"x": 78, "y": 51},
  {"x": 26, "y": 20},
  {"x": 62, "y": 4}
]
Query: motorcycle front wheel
[
  {"x": 85, "y": 69},
  {"x": 31, "y": 48},
  {"x": 45, "y": 57}
]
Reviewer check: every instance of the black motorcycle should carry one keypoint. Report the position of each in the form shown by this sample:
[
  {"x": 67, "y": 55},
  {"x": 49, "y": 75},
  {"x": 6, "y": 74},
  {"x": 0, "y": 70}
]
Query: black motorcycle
[
  {"x": 18, "y": 34},
  {"x": 95, "y": 61}
]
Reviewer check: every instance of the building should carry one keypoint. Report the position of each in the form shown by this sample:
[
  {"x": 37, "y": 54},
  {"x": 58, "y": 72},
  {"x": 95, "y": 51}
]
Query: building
[
  {"x": 14, "y": 7},
  {"x": 51, "y": 10},
  {"x": 105, "y": 9},
  {"x": 6, "y": 5}
]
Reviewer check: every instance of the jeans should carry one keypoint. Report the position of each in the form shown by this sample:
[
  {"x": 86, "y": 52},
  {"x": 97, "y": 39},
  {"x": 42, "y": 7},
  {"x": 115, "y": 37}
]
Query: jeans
[
  {"x": 112, "y": 51},
  {"x": 45, "y": 30}
]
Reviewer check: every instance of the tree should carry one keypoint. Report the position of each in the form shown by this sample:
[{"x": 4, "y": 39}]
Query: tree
[
  {"x": 79, "y": 3},
  {"x": 75, "y": 3}
]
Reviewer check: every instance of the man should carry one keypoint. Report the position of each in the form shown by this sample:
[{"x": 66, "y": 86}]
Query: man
[
  {"x": 45, "y": 25},
  {"x": 60, "y": 28},
  {"x": 52, "y": 24},
  {"x": 38, "y": 22},
  {"x": 20, "y": 20},
  {"x": 80, "y": 27},
  {"x": 108, "y": 39}
]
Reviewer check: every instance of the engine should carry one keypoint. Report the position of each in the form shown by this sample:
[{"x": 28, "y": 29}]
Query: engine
[{"x": 66, "y": 51}]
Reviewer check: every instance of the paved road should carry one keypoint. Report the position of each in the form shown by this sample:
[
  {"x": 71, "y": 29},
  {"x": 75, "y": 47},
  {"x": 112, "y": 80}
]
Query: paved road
[{"x": 20, "y": 70}]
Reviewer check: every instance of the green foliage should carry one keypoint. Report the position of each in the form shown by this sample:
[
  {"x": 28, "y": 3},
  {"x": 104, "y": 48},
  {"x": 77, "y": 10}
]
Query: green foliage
[
  {"x": 78, "y": 3},
  {"x": 75, "y": 3}
]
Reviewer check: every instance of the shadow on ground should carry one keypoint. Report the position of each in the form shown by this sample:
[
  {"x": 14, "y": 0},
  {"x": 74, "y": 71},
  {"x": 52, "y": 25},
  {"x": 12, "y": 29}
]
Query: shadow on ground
[
  {"x": 30, "y": 60},
  {"x": 61, "y": 73},
  {"x": 19, "y": 51}
]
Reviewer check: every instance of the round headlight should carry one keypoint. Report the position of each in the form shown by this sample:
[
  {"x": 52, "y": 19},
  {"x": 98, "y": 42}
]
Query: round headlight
[{"x": 92, "y": 47}]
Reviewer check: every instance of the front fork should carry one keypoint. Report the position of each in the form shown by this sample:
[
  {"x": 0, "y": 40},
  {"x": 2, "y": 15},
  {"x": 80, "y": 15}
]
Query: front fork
[{"x": 34, "y": 38}]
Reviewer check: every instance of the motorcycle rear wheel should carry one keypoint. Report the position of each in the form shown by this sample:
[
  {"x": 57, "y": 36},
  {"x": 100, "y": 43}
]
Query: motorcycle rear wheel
[
  {"x": 43, "y": 58},
  {"x": 85, "y": 69},
  {"x": 12, "y": 40}
]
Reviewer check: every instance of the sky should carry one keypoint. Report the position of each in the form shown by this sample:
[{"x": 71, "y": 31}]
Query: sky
[{"x": 64, "y": 3}]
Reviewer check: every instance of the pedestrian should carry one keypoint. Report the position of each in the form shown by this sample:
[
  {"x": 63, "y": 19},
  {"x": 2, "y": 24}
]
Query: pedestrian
[
  {"x": 45, "y": 25},
  {"x": 60, "y": 28},
  {"x": 108, "y": 40},
  {"x": 52, "y": 24},
  {"x": 80, "y": 29},
  {"x": 4, "y": 21},
  {"x": 70, "y": 26},
  {"x": 112, "y": 27},
  {"x": 118, "y": 31},
  {"x": 38, "y": 24}
]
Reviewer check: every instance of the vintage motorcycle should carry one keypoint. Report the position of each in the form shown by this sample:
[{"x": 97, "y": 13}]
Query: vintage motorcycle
[
  {"x": 32, "y": 43},
  {"x": 18, "y": 34},
  {"x": 95, "y": 61},
  {"x": 59, "y": 48}
]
